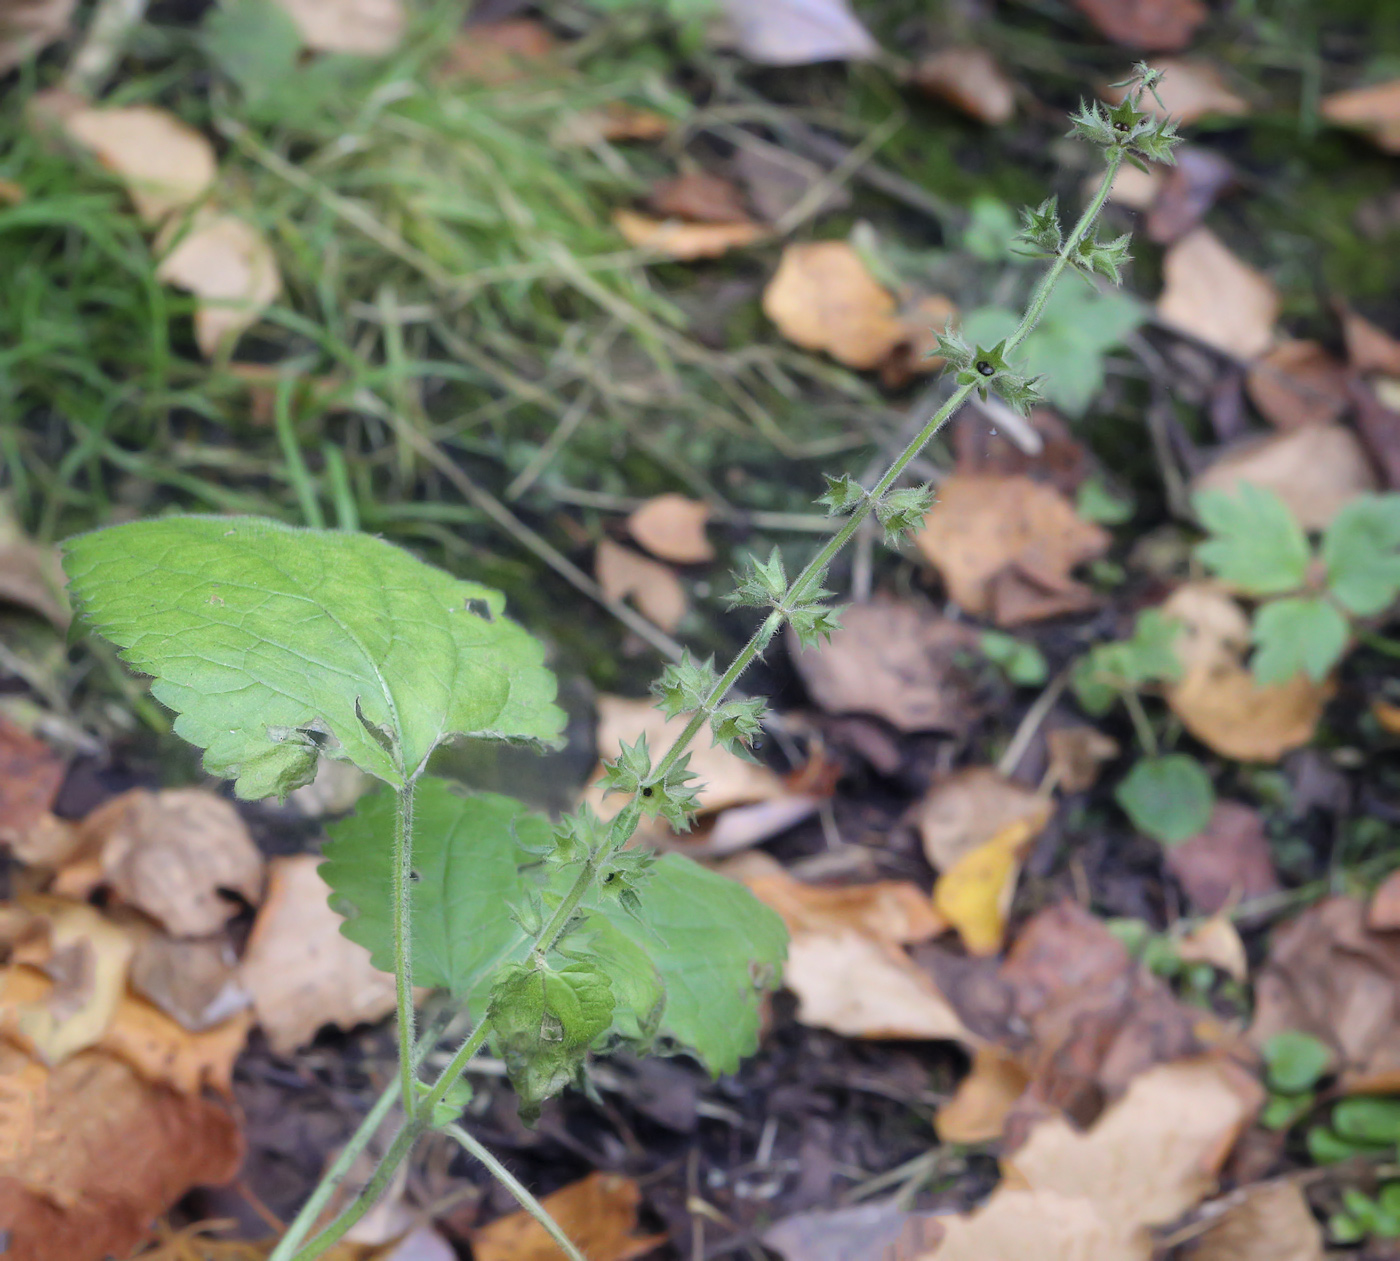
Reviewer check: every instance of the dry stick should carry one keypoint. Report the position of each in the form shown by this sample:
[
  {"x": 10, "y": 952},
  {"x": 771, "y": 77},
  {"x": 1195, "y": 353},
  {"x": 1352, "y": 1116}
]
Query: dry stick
[{"x": 626, "y": 821}]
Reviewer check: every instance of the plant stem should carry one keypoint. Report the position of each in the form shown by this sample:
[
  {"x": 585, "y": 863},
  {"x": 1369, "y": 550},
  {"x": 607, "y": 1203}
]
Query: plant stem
[
  {"x": 522, "y": 1196},
  {"x": 403, "y": 940},
  {"x": 311, "y": 1210}
]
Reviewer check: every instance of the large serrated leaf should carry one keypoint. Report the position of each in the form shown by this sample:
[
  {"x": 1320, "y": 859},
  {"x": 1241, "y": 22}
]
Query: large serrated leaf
[
  {"x": 467, "y": 853},
  {"x": 273, "y": 643},
  {"x": 716, "y": 947},
  {"x": 1256, "y": 543}
]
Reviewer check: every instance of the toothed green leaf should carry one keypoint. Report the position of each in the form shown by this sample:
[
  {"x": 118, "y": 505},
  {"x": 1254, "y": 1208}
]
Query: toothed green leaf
[
  {"x": 1256, "y": 544},
  {"x": 1298, "y": 635}
]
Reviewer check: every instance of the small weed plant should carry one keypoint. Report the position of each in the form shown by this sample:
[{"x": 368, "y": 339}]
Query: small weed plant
[{"x": 277, "y": 646}]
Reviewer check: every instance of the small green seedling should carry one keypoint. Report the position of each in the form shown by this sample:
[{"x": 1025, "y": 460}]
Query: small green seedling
[
  {"x": 1309, "y": 602},
  {"x": 1367, "y": 1217},
  {"x": 1365, "y": 1125},
  {"x": 1022, "y": 663},
  {"x": 1157, "y": 952},
  {"x": 1169, "y": 797},
  {"x": 276, "y": 647},
  {"x": 1294, "y": 1063}
]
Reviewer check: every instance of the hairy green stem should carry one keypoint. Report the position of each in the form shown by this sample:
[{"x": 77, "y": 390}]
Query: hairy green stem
[
  {"x": 403, "y": 940},
  {"x": 623, "y": 826},
  {"x": 522, "y": 1196}
]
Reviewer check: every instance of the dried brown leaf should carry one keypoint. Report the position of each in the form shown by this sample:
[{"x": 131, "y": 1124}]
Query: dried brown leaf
[
  {"x": 970, "y": 79},
  {"x": 1316, "y": 470},
  {"x": 1077, "y": 755},
  {"x": 685, "y": 242},
  {"x": 673, "y": 527},
  {"x": 599, "y": 1213},
  {"x": 1213, "y": 296},
  {"x": 797, "y": 32},
  {"x": 897, "y": 659},
  {"x": 1269, "y": 1221},
  {"x": 366, "y": 28},
  {"x": 27, "y": 27},
  {"x": 31, "y": 576},
  {"x": 1006, "y": 546},
  {"x": 1378, "y": 421},
  {"x": 164, "y": 164},
  {"x": 1230, "y": 861},
  {"x": 170, "y": 853},
  {"x": 1374, "y": 109},
  {"x": 823, "y": 297},
  {"x": 1369, "y": 347},
  {"x": 230, "y": 268},
  {"x": 699, "y": 196},
  {"x": 31, "y": 774},
  {"x": 652, "y": 586},
  {"x": 300, "y": 970},
  {"x": 964, "y": 811},
  {"x": 1383, "y": 911},
  {"x": 1187, "y": 192},
  {"x": 1153, "y": 25},
  {"x": 893, "y": 911},
  {"x": 1217, "y": 942},
  {"x": 497, "y": 53},
  {"x": 978, "y": 1111},
  {"x": 882, "y": 1229},
  {"x": 193, "y": 981},
  {"x": 1297, "y": 383},
  {"x": 1190, "y": 89}
]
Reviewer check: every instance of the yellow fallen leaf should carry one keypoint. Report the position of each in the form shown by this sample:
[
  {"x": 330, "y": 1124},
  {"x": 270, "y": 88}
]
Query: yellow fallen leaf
[
  {"x": 230, "y": 267},
  {"x": 978, "y": 1110},
  {"x": 975, "y": 894}
]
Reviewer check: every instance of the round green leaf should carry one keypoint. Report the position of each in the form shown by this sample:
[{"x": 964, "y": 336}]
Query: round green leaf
[
  {"x": 1296, "y": 1061},
  {"x": 1169, "y": 798}
]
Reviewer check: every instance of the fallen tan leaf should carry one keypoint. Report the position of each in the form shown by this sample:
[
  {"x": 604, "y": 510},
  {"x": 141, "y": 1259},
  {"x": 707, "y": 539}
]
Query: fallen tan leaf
[
  {"x": 777, "y": 180},
  {"x": 893, "y": 911},
  {"x": 27, "y": 27},
  {"x": 1005, "y": 547},
  {"x": 1135, "y": 188},
  {"x": 1218, "y": 699},
  {"x": 31, "y": 773},
  {"x": 883, "y": 1229},
  {"x": 301, "y": 972},
  {"x": 165, "y": 1053},
  {"x": 195, "y": 982},
  {"x": 1077, "y": 755},
  {"x": 1189, "y": 90},
  {"x": 1374, "y": 109},
  {"x": 598, "y": 1213},
  {"x": 652, "y": 586},
  {"x": 923, "y": 317},
  {"x": 978, "y": 1111},
  {"x": 684, "y": 241},
  {"x": 897, "y": 659},
  {"x": 1012, "y": 1225},
  {"x": 728, "y": 780},
  {"x": 1329, "y": 975},
  {"x": 699, "y": 196},
  {"x": 230, "y": 268},
  {"x": 106, "y": 1152},
  {"x": 964, "y": 811},
  {"x": 497, "y": 53},
  {"x": 1316, "y": 470},
  {"x": 1231, "y": 861},
  {"x": 164, "y": 164},
  {"x": 823, "y": 297},
  {"x": 1297, "y": 383},
  {"x": 797, "y": 32},
  {"x": 1188, "y": 192},
  {"x": 31, "y": 576},
  {"x": 1383, "y": 911},
  {"x": 1213, "y": 296},
  {"x": 1269, "y": 1221},
  {"x": 974, "y": 895},
  {"x": 970, "y": 79},
  {"x": 1217, "y": 942},
  {"x": 367, "y": 28},
  {"x": 614, "y": 122},
  {"x": 170, "y": 853},
  {"x": 673, "y": 528},
  {"x": 856, "y": 985},
  {"x": 1153, "y": 25},
  {"x": 1369, "y": 348}
]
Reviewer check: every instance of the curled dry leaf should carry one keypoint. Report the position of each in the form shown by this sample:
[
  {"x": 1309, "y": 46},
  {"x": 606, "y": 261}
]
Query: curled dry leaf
[
  {"x": 164, "y": 164},
  {"x": 1005, "y": 547},
  {"x": 1316, "y": 470},
  {"x": 964, "y": 811},
  {"x": 599, "y": 1213},
  {"x": 797, "y": 32},
  {"x": 1328, "y": 974},
  {"x": 728, "y": 780},
  {"x": 1227, "y": 863},
  {"x": 30, "y": 776},
  {"x": 699, "y": 196},
  {"x": 823, "y": 297},
  {"x": 652, "y": 586},
  {"x": 170, "y": 854},
  {"x": 978, "y": 1111},
  {"x": 1218, "y": 699},
  {"x": 103, "y": 1154},
  {"x": 684, "y": 241},
  {"x": 974, "y": 895},
  {"x": 1189, "y": 90},
  {"x": 1153, "y": 25},
  {"x": 1374, "y": 109},
  {"x": 1369, "y": 348},
  {"x": 673, "y": 527},
  {"x": 1269, "y": 1221},
  {"x": 1077, "y": 755},
  {"x": 27, "y": 27},
  {"x": 301, "y": 972},
  {"x": 897, "y": 659},
  {"x": 1217, "y": 942},
  {"x": 368, "y": 28},
  {"x": 497, "y": 53},
  {"x": 1213, "y": 296},
  {"x": 971, "y": 80},
  {"x": 230, "y": 268},
  {"x": 1297, "y": 383}
]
